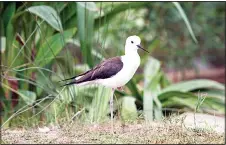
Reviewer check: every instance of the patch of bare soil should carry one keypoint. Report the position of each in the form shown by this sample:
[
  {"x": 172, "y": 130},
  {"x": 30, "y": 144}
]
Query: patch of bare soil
[{"x": 164, "y": 132}]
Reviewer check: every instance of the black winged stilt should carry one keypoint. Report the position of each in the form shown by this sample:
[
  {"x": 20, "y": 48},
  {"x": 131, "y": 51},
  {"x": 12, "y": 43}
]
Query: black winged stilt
[{"x": 114, "y": 72}]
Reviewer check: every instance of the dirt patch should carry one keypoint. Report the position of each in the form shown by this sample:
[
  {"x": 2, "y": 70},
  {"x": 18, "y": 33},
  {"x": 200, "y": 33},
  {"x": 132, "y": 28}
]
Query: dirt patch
[{"x": 139, "y": 132}]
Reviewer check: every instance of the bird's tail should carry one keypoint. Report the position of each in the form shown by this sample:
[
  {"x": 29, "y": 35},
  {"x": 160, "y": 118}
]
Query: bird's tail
[
  {"x": 67, "y": 84},
  {"x": 70, "y": 83},
  {"x": 68, "y": 79},
  {"x": 78, "y": 83},
  {"x": 74, "y": 81}
]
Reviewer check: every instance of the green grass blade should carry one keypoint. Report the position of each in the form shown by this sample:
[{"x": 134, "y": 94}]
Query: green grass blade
[
  {"x": 184, "y": 17},
  {"x": 85, "y": 22},
  {"x": 100, "y": 107}
]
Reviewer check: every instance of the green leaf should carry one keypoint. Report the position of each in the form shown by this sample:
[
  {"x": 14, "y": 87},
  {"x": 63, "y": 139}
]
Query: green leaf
[
  {"x": 71, "y": 22},
  {"x": 8, "y": 13},
  {"x": 53, "y": 46},
  {"x": 189, "y": 100},
  {"x": 183, "y": 15},
  {"x": 48, "y": 14},
  {"x": 178, "y": 99},
  {"x": 214, "y": 93},
  {"x": 157, "y": 104},
  {"x": 167, "y": 95},
  {"x": 129, "y": 110},
  {"x": 9, "y": 30},
  {"x": 28, "y": 96},
  {"x": 151, "y": 88},
  {"x": 151, "y": 69},
  {"x": 85, "y": 22},
  {"x": 186, "y": 86}
]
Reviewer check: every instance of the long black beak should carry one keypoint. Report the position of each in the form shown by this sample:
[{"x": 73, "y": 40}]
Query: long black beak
[{"x": 142, "y": 48}]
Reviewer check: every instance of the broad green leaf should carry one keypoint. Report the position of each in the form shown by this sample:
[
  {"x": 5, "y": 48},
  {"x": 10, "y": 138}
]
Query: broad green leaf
[
  {"x": 9, "y": 43},
  {"x": 186, "y": 86},
  {"x": 167, "y": 95},
  {"x": 8, "y": 13},
  {"x": 71, "y": 22},
  {"x": 48, "y": 14},
  {"x": 186, "y": 99},
  {"x": 185, "y": 102},
  {"x": 53, "y": 46},
  {"x": 9, "y": 30},
  {"x": 157, "y": 104},
  {"x": 151, "y": 69},
  {"x": 184, "y": 17},
  {"x": 129, "y": 110},
  {"x": 208, "y": 106},
  {"x": 85, "y": 22},
  {"x": 28, "y": 96},
  {"x": 151, "y": 87},
  {"x": 214, "y": 93}
]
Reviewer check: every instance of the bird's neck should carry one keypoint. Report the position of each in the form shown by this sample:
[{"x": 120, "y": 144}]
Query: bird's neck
[
  {"x": 130, "y": 52},
  {"x": 131, "y": 58}
]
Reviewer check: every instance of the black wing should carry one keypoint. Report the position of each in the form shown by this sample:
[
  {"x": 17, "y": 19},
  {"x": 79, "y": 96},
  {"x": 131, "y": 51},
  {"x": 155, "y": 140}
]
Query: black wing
[{"x": 106, "y": 69}]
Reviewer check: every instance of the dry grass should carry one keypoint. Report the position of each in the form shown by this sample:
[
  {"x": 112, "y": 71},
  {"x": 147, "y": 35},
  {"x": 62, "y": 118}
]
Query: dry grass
[{"x": 164, "y": 132}]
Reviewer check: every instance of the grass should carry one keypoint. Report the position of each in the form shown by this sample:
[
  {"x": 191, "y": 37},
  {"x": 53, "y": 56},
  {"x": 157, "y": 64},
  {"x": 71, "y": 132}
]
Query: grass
[{"x": 161, "y": 132}]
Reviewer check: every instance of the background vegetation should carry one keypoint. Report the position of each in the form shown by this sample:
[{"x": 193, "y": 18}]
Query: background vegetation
[{"x": 45, "y": 42}]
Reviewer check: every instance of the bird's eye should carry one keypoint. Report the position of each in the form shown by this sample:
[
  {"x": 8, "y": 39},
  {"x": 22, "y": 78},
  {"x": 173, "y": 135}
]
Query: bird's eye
[{"x": 131, "y": 41}]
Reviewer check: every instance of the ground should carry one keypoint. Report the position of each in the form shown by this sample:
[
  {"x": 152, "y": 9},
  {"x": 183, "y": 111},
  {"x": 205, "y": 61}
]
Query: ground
[{"x": 164, "y": 132}]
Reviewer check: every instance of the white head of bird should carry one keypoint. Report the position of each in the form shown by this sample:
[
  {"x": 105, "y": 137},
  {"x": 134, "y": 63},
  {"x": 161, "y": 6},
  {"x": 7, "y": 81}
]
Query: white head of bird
[{"x": 133, "y": 44}]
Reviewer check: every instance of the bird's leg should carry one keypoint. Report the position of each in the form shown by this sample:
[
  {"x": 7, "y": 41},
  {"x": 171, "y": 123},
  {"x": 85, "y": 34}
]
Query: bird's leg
[
  {"x": 120, "y": 89},
  {"x": 111, "y": 109}
]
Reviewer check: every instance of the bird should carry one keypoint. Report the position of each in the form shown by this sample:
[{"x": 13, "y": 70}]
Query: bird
[{"x": 114, "y": 72}]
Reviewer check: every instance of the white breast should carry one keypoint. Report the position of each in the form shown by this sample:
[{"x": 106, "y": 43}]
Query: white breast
[{"x": 130, "y": 65}]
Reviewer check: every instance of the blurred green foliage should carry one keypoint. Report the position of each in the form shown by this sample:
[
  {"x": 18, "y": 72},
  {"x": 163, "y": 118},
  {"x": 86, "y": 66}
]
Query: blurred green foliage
[{"x": 44, "y": 42}]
